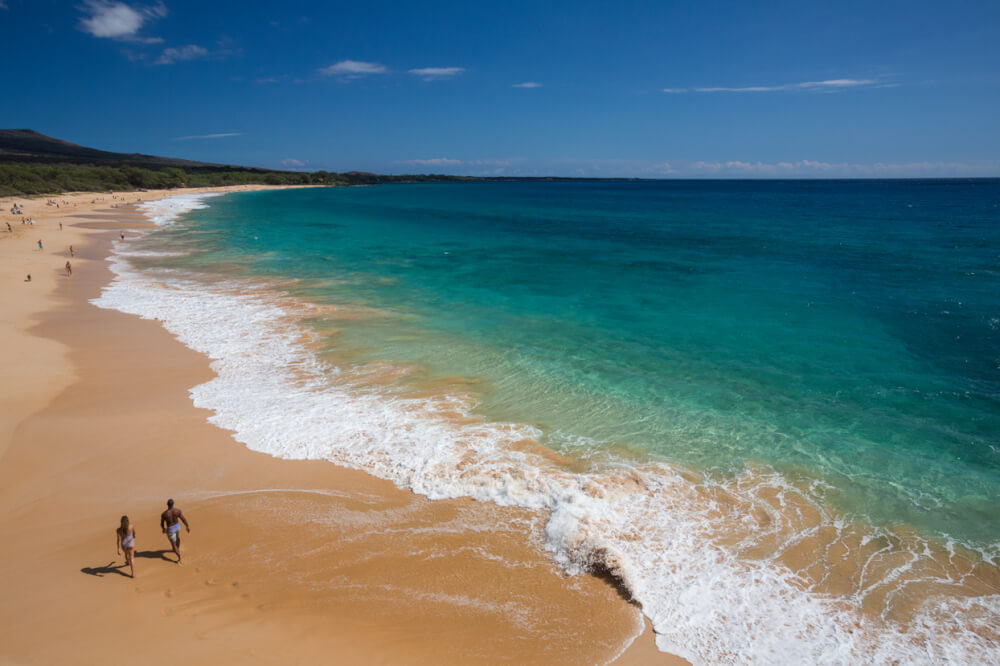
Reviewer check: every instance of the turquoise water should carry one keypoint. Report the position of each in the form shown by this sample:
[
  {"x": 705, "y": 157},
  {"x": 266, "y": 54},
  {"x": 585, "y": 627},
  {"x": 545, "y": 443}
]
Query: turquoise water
[{"x": 845, "y": 331}]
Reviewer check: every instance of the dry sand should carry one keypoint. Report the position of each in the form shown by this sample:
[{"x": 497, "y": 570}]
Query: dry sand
[{"x": 287, "y": 561}]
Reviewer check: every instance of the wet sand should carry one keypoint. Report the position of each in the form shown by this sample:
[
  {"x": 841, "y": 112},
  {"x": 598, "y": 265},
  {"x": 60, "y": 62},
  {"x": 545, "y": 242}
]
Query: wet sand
[{"x": 287, "y": 561}]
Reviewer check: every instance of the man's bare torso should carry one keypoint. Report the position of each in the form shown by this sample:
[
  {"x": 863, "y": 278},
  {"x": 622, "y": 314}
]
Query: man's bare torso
[{"x": 171, "y": 516}]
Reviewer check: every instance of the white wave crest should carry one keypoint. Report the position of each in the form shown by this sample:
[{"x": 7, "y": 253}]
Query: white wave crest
[{"x": 164, "y": 212}]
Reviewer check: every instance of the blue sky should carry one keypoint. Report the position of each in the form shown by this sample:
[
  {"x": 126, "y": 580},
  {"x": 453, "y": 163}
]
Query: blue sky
[{"x": 648, "y": 89}]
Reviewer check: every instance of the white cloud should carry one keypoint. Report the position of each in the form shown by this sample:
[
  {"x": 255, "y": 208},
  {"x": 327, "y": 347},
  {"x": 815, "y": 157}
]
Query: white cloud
[
  {"x": 816, "y": 168},
  {"x": 117, "y": 20},
  {"x": 208, "y": 136},
  {"x": 497, "y": 163},
  {"x": 527, "y": 84},
  {"x": 494, "y": 166},
  {"x": 662, "y": 169},
  {"x": 675, "y": 90},
  {"x": 746, "y": 169},
  {"x": 292, "y": 163},
  {"x": 189, "y": 52},
  {"x": 828, "y": 85},
  {"x": 745, "y": 89},
  {"x": 431, "y": 73},
  {"x": 353, "y": 69},
  {"x": 436, "y": 161}
]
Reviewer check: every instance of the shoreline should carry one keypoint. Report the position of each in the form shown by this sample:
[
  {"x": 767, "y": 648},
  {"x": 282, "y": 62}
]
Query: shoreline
[{"x": 86, "y": 436}]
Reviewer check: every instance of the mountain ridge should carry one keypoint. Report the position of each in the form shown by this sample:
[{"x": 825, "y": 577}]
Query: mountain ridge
[{"x": 30, "y": 146}]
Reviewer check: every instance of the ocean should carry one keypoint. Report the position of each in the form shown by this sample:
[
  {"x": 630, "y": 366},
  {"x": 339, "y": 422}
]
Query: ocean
[{"x": 771, "y": 409}]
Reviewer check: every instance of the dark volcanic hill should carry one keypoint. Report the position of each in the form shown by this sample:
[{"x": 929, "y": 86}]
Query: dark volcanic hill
[{"x": 29, "y": 147}]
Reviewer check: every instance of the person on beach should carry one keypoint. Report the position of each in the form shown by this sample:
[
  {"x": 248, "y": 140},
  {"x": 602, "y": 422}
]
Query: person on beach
[
  {"x": 71, "y": 251},
  {"x": 123, "y": 235},
  {"x": 125, "y": 540},
  {"x": 60, "y": 226},
  {"x": 40, "y": 244},
  {"x": 170, "y": 523},
  {"x": 69, "y": 268},
  {"x": 28, "y": 279}
]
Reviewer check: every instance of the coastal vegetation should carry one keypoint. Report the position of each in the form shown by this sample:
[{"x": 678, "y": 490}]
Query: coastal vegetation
[
  {"x": 35, "y": 164},
  {"x": 30, "y": 179}
]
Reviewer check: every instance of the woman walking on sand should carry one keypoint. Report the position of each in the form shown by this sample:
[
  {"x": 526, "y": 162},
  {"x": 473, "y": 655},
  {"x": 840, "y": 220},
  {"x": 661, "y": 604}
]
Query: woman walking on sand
[{"x": 125, "y": 540}]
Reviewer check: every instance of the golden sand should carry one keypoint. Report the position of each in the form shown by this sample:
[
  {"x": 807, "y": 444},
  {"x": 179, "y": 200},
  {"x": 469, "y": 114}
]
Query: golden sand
[{"x": 287, "y": 561}]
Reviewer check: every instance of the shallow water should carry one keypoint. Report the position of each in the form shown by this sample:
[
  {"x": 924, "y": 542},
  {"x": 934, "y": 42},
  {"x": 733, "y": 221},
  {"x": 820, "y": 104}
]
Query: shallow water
[{"x": 769, "y": 395}]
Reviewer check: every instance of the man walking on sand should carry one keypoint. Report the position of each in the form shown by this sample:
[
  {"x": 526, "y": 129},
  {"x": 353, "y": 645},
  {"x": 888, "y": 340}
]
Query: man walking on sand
[{"x": 170, "y": 523}]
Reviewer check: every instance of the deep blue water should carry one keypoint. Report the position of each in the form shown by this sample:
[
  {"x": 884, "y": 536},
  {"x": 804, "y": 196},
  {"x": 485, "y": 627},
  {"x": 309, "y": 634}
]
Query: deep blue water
[{"x": 842, "y": 330}]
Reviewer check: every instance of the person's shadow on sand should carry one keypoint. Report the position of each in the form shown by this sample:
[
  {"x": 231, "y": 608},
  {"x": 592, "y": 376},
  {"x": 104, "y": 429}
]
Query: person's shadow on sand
[
  {"x": 108, "y": 568},
  {"x": 155, "y": 555},
  {"x": 112, "y": 568}
]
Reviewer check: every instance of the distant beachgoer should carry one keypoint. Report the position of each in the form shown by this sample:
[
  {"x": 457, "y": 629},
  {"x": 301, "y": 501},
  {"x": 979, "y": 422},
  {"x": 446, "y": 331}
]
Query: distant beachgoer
[
  {"x": 170, "y": 523},
  {"x": 71, "y": 253},
  {"x": 125, "y": 540},
  {"x": 40, "y": 247},
  {"x": 28, "y": 279},
  {"x": 10, "y": 229},
  {"x": 123, "y": 235},
  {"x": 69, "y": 268},
  {"x": 60, "y": 226}
]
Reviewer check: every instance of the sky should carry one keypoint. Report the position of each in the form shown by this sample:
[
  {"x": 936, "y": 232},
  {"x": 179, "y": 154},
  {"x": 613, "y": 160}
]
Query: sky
[{"x": 655, "y": 89}]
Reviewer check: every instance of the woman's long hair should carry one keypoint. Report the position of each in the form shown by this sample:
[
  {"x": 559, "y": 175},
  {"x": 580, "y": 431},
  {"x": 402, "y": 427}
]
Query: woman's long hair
[{"x": 124, "y": 527}]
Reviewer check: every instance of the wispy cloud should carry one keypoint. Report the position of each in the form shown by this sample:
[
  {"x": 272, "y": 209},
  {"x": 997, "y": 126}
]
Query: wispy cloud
[
  {"x": 431, "y": 73},
  {"x": 353, "y": 69},
  {"x": 221, "y": 135},
  {"x": 117, "y": 20},
  {"x": 819, "y": 168},
  {"x": 434, "y": 161},
  {"x": 3, "y": 5},
  {"x": 224, "y": 48},
  {"x": 719, "y": 169},
  {"x": 829, "y": 85},
  {"x": 189, "y": 52},
  {"x": 290, "y": 162},
  {"x": 527, "y": 84},
  {"x": 451, "y": 162}
]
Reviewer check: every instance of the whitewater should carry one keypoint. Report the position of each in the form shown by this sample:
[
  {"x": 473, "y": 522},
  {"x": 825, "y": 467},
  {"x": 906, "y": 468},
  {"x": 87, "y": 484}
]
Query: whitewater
[{"x": 711, "y": 561}]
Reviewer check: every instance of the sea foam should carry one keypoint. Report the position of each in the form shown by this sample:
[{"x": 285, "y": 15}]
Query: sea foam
[
  {"x": 164, "y": 212},
  {"x": 687, "y": 547}
]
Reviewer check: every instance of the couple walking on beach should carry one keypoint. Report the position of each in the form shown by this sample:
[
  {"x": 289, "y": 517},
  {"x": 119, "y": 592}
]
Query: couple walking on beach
[{"x": 170, "y": 524}]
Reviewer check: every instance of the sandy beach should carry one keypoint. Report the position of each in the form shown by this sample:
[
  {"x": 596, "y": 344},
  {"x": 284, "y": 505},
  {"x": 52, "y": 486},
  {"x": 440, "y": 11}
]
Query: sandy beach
[{"x": 287, "y": 561}]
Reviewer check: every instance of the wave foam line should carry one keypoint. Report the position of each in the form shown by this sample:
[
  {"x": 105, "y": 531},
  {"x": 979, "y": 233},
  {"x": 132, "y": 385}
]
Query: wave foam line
[
  {"x": 164, "y": 212},
  {"x": 682, "y": 544}
]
